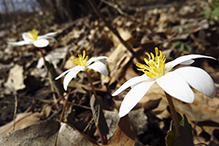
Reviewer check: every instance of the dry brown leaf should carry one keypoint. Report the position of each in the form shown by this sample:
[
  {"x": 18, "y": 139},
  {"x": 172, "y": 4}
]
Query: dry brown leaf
[
  {"x": 125, "y": 34},
  {"x": 138, "y": 121},
  {"x": 112, "y": 119},
  {"x": 202, "y": 109},
  {"x": 130, "y": 73},
  {"x": 41, "y": 133},
  {"x": 154, "y": 100},
  {"x": 155, "y": 94},
  {"x": 46, "y": 110},
  {"x": 123, "y": 134},
  {"x": 81, "y": 88},
  {"x": 211, "y": 71},
  {"x": 69, "y": 63},
  {"x": 162, "y": 23},
  {"x": 53, "y": 57},
  {"x": 119, "y": 59},
  {"x": 15, "y": 79},
  {"x": 69, "y": 136},
  {"x": 22, "y": 120}
]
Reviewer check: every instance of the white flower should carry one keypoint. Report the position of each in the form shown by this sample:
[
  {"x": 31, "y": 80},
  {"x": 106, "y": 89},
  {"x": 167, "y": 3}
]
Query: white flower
[
  {"x": 32, "y": 37},
  {"x": 176, "y": 83},
  {"x": 83, "y": 64}
]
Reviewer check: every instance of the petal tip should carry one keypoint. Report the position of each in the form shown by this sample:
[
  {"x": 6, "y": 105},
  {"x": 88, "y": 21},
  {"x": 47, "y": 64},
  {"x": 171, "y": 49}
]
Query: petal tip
[
  {"x": 114, "y": 94},
  {"x": 122, "y": 114}
]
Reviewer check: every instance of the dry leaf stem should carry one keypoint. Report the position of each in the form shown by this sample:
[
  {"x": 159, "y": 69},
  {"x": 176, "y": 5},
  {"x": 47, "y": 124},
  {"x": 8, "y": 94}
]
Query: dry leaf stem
[{"x": 173, "y": 113}]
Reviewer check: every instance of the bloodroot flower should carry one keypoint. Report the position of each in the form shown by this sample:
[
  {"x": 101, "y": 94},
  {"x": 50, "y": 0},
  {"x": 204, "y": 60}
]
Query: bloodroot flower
[
  {"x": 83, "y": 64},
  {"x": 32, "y": 37},
  {"x": 176, "y": 83}
]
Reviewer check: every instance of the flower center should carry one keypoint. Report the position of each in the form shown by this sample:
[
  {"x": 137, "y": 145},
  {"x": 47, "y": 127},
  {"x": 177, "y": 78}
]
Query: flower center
[
  {"x": 33, "y": 34},
  {"x": 155, "y": 66},
  {"x": 81, "y": 60}
]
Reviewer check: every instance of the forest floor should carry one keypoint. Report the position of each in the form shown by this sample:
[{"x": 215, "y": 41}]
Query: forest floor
[{"x": 30, "y": 104}]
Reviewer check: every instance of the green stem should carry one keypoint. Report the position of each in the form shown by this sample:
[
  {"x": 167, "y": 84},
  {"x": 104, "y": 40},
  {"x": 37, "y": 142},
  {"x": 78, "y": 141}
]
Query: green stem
[{"x": 173, "y": 113}]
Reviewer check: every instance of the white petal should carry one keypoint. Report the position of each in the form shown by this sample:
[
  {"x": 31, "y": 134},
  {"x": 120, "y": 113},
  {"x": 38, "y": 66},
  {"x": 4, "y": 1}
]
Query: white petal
[
  {"x": 198, "y": 79},
  {"x": 51, "y": 38},
  {"x": 100, "y": 58},
  {"x": 41, "y": 43},
  {"x": 133, "y": 97},
  {"x": 69, "y": 70},
  {"x": 26, "y": 38},
  {"x": 100, "y": 67},
  {"x": 48, "y": 34},
  {"x": 132, "y": 82},
  {"x": 176, "y": 86},
  {"x": 21, "y": 43},
  {"x": 186, "y": 60},
  {"x": 72, "y": 74},
  {"x": 103, "y": 61}
]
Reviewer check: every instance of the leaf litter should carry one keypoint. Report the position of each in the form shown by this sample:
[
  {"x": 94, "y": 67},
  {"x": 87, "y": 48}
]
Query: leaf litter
[{"x": 149, "y": 121}]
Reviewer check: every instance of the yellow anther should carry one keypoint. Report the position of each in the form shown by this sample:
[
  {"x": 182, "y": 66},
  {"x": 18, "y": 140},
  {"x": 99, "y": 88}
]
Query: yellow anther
[
  {"x": 33, "y": 34},
  {"x": 155, "y": 65},
  {"x": 81, "y": 60}
]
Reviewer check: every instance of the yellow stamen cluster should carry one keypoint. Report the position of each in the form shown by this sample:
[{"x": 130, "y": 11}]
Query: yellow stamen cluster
[
  {"x": 33, "y": 34},
  {"x": 81, "y": 60},
  {"x": 155, "y": 65}
]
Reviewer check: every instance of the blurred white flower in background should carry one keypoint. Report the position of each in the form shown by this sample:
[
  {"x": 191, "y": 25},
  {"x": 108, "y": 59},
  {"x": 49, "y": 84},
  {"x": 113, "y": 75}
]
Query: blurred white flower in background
[{"x": 32, "y": 37}]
